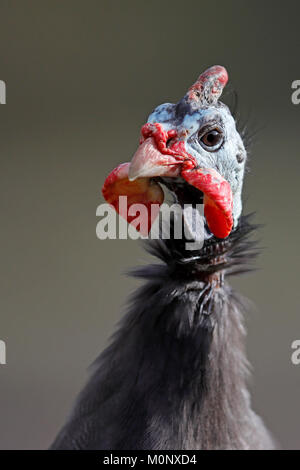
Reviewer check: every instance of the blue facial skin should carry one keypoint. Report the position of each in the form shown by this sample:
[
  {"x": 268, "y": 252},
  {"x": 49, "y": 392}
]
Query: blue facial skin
[{"x": 192, "y": 121}]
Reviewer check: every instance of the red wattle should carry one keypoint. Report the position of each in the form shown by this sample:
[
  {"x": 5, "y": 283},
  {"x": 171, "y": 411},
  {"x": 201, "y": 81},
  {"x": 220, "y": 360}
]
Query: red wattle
[
  {"x": 218, "y": 201},
  {"x": 140, "y": 191}
]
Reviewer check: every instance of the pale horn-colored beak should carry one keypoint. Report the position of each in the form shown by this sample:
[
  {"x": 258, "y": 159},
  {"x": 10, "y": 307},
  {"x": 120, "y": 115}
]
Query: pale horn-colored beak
[{"x": 149, "y": 162}]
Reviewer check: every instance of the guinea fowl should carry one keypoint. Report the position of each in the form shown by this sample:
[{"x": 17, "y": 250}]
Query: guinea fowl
[{"x": 175, "y": 374}]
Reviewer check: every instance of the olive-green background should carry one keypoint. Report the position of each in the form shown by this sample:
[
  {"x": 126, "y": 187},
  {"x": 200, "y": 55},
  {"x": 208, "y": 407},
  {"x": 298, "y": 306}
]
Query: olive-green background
[{"x": 81, "y": 77}]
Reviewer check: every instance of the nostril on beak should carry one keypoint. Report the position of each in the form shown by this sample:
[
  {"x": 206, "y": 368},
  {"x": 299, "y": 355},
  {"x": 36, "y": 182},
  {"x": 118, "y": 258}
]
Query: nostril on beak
[{"x": 168, "y": 143}]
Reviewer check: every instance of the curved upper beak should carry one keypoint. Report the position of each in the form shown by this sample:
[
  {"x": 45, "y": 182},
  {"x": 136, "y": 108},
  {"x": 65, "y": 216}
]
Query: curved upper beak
[{"x": 149, "y": 162}]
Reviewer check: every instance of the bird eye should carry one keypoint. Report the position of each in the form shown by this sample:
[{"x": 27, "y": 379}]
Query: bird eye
[{"x": 212, "y": 140}]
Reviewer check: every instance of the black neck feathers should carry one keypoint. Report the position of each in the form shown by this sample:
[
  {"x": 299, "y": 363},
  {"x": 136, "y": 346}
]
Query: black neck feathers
[{"x": 175, "y": 373}]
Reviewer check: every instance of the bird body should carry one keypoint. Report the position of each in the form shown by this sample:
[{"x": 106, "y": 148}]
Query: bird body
[{"x": 175, "y": 374}]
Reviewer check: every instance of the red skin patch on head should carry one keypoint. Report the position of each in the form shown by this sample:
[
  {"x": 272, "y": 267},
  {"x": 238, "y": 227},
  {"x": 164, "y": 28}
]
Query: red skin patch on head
[{"x": 162, "y": 137}]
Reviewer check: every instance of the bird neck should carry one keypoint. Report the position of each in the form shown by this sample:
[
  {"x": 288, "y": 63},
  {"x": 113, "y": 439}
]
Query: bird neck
[{"x": 187, "y": 330}]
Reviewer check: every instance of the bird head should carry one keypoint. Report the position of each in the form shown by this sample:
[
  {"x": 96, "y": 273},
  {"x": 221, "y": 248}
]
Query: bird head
[{"x": 192, "y": 147}]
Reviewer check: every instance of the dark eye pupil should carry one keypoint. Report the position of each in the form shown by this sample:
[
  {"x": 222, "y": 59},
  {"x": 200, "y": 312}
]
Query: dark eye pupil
[{"x": 212, "y": 138}]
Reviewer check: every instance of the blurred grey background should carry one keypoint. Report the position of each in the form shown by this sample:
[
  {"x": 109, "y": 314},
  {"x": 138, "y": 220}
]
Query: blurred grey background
[{"x": 81, "y": 77}]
